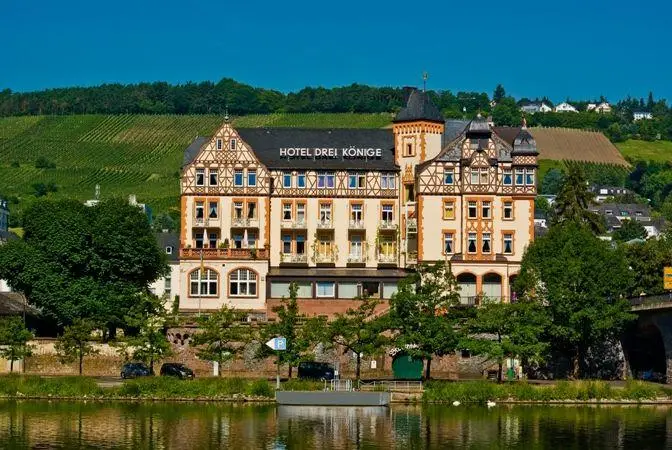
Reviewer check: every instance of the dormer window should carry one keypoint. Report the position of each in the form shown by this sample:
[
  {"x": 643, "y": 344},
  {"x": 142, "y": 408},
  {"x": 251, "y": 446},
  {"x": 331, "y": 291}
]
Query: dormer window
[
  {"x": 169, "y": 250},
  {"x": 608, "y": 212},
  {"x": 233, "y": 144}
]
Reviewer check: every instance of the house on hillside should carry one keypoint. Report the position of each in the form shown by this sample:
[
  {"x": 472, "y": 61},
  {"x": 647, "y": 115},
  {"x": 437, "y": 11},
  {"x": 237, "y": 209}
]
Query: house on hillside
[
  {"x": 532, "y": 108},
  {"x": 591, "y": 106},
  {"x": 615, "y": 213},
  {"x": 604, "y": 192},
  {"x": 603, "y": 108},
  {"x": 168, "y": 286},
  {"x": 641, "y": 115},
  {"x": 565, "y": 107}
]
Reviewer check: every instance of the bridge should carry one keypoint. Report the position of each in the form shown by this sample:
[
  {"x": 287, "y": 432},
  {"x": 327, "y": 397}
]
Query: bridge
[{"x": 647, "y": 345}]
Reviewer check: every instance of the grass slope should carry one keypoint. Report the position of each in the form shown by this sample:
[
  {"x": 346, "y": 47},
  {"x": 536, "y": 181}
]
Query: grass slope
[{"x": 644, "y": 150}]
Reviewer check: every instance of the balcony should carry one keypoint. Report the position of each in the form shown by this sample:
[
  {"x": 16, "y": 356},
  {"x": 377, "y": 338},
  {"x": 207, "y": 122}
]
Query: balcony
[
  {"x": 293, "y": 258},
  {"x": 412, "y": 257},
  {"x": 243, "y": 222},
  {"x": 325, "y": 258},
  {"x": 387, "y": 225},
  {"x": 411, "y": 225},
  {"x": 293, "y": 225},
  {"x": 356, "y": 259},
  {"x": 325, "y": 224},
  {"x": 224, "y": 253},
  {"x": 201, "y": 222},
  {"x": 356, "y": 225},
  {"x": 387, "y": 258}
]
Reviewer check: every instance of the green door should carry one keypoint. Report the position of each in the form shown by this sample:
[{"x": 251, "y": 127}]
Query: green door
[{"x": 406, "y": 368}]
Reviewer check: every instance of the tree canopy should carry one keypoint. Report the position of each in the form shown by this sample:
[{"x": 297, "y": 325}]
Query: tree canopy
[
  {"x": 76, "y": 261},
  {"x": 574, "y": 199}
]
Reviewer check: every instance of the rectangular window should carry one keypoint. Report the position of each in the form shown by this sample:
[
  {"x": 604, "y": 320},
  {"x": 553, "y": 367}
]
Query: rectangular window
[
  {"x": 474, "y": 176},
  {"x": 213, "y": 177},
  {"x": 198, "y": 237},
  {"x": 286, "y": 180},
  {"x": 472, "y": 210},
  {"x": 387, "y": 181},
  {"x": 447, "y": 243},
  {"x": 484, "y": 176},
  {"x": 388, "y": 246},
  {"x": 199, "y": 210},
  {"x": 251, "y": 239},
  {"x": 233, "y": 144},
  {"x": 219, "y": 144},
  {"x": 212, "y": 210},
  {"x": 212, "y": 240},
  {"x": 237, "y": 240},
  {"x": 330, "y": 180},
  {"x": 507, "y": 177},
  {"x": 251, "y": 177},
  {"x": 408, "y": 150},
  {"x": 519, "y": 177},
  {"x": 485, "y": 209},
  {"x": 300, "y": 244},
  {"x": 448, "y": 176},
  {"x": 286, "y": 244},
  {"x": 471, "y": 243},
  {"x": 301, "y": 180},
  {"x": 508, "y": 244},
  {"x": 325, "y": 289},
  {"x": 300, "y": 212},
  {"x": 356, "y": 212},
  {"x": 529, "y": 177},
  {"x": 321, "y": 180},
  {"x": 356, "y": 246},
  {"x": 348, "y": 289},
  {"x": 448, "y": 210},
  {"x": 507, "y": 209},
  {"x": 238, "y": 178},
  {"x": 238, "y": 210},
  {"x": 387, "y": 213},
  {"x": 485, "y": 243},
  {"x": 200, "y": 177},
  {"x": 286, "y": 211},
  {"x": 325, "y": 212},
  {"x": 251, "y": 210}
]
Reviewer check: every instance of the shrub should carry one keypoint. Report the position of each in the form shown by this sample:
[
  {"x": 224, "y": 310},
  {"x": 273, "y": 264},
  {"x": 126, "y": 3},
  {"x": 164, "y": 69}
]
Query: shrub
[
  {"x": 261, "y": 388},
  {"x": 302, "y": 385},
  {"x": 43, "y": 163},
  {"x": 640, "y": 390}
]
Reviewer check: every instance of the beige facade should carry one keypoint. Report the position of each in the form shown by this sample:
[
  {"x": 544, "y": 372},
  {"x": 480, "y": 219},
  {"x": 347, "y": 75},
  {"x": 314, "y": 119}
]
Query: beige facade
[{"x": 348, "y": 212}]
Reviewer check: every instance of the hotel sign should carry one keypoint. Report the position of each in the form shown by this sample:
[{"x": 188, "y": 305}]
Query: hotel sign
[
  {"x": 667, "y": 278},
  {"x": 330, "y": 153}
]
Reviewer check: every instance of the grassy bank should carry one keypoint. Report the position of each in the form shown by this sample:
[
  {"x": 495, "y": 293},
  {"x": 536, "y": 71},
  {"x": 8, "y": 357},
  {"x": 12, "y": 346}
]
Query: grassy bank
[{"x": 482, "y": 391}]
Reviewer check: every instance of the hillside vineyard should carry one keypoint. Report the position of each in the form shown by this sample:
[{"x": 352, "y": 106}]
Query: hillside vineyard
[{"x": 265, "y": 207}]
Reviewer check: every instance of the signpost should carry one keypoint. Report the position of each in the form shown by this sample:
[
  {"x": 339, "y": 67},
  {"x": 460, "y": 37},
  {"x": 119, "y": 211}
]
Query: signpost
[
  {"x": 278, "y": 344},
  {"x": 667, "y": 279}
]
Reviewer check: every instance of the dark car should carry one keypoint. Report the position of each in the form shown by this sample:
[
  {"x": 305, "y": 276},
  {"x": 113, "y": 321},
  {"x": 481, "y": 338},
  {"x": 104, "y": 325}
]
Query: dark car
[
  {"x": 316, "y": 370},
  {"x": 134, "y": 370},
  {"x": 176, "y": 370}
]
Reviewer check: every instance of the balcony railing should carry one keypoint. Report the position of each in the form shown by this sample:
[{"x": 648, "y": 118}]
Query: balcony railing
[
  {"x": 294, "y": 258},
  {"x": 293, "y": 225},
  {"x": 357, "y": 258},
  {"x": 387, "y": 258},
  {"x": 244, "y": 222},
  {"x": 388, "y": 225},
  {"x": 412, "y": 257},
  {"x": 224, "y": 253},
  {"x": 325, "y": 258},
  {"x": 412, "y": 225},
  {"x": 325, "y": 224},
  {"x": 356, "y": 224}
]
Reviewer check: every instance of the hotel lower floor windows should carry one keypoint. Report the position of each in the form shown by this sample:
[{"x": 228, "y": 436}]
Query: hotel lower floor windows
[
  {"x": 325, "y": 289},
  {"x": 243, "y": 283},
  {"x": 206, "y": 279}
]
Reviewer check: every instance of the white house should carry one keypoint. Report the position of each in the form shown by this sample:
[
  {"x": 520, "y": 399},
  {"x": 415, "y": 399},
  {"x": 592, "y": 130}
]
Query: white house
[
  {"x": 532, "y": 108},
  {"x": 591, "y": 106},
  {"x": 544, "y": 108},
  {"x": 168, "y": 286},
  {"x": 565, "y": 107},
  {"x": 603, "y": 107},
  {"x": 641, "y": 115}
]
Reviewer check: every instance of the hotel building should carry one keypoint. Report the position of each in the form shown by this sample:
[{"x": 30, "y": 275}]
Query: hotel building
[{"x": 348, "y": 212}]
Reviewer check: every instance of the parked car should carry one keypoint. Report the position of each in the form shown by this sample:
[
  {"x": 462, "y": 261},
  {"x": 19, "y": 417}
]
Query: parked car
[
  {"x": 176, "y": 370},
  {"x": 316, "y": 370},
  {"x": 134, "y": 370}
]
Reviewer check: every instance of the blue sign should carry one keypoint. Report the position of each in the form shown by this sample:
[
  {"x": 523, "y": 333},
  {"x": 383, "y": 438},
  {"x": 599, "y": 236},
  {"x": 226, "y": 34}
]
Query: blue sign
[{"x": 277, "y": 343}]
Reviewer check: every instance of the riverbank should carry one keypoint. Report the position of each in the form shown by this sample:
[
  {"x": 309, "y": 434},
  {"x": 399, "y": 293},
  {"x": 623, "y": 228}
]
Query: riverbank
[{"x": 243, "y": 390}]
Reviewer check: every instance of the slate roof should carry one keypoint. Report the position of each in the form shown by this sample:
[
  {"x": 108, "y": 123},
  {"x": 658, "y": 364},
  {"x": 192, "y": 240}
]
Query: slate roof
[
  {"x": 266, "y": 143},
  {"x": 453, "y": 128},
  {"x": 164, "y": 240},
  {"x": 524, "y": 144},
  {"x": 419, "y": 107},
  {"x": 6, "y": 236},
  {"x": 192, "y": 151}
]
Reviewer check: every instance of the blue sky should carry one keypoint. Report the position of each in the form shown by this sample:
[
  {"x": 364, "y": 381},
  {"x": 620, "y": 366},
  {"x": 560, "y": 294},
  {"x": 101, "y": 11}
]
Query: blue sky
[{"x": 576, "y": 48}]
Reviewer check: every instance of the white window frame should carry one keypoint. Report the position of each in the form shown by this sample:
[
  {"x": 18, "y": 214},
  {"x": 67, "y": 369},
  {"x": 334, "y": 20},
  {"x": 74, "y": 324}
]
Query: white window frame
[
  {"x": 486, "y": 237},
  {"x": 504, "y": 241},
  {"x": 214, "y": 172},
  {"x": 242, "y": 178},
  {"x": 301, "y": 179},
  {"x": 509, "y": 173},
  {"x": 252, "y": 173},
  {"x": 286, "y": 179},
  {"x": 449, "y": 172},
  {"x": 200, "y": 177},
  {"x": 448, "y": 238},
  {"x": 210, "y": 280},
  {"x": 330, "y": 284},
  {"x": 248, "y": 280}
]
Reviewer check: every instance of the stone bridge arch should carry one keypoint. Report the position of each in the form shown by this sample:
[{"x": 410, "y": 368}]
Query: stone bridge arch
[{"x": 647, "y": 345}]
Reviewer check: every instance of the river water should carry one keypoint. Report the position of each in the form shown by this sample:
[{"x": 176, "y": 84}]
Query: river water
[{"x": 103, "y": 425}]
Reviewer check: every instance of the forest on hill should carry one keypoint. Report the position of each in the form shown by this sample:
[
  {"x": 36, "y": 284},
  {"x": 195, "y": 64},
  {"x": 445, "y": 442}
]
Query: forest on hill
[{"x": 240, "y": 99}]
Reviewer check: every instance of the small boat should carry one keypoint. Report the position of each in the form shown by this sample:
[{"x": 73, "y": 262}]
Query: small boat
[
  {"x": 490, "y": 403},
  {"x": 456, "y": 403}
]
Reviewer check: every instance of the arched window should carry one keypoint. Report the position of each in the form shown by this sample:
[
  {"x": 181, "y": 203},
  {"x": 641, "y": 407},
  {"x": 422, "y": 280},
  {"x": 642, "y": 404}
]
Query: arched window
[
  {"x": 243, "y": 283},
  {"x": 207, "y": 280}
]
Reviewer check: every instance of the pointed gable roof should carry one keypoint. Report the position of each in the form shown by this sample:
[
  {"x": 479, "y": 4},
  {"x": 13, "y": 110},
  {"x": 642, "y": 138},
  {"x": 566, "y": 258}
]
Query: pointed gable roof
[
  {"x": 524, "y": 144},
  {"x": 419, "y": 107}
]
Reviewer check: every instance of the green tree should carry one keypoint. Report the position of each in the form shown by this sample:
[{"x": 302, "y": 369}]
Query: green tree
[
  {"x": 424, "y": 316},
  {"x": 506, "y": 113},
  {"x": 149, "y": 321},
  {"x": 508, "y": 330},
  {"x": 14, "y": 337},
  {"x": 647, "y": 260},
  {"x": 359, "y": 330},
  {"x": 630, "y": 229},
  {"x": 164, "y": 222},
  {"x": 75, "y": 343},
  {"x": 583, "y": 281},
  {"x": 541, "y": 204},
  {"x": 499, "y": 93},
  {"x": 80, "y": 262},
  {"x": 574, "y": 199},
  {"x": 552, "y": 181},
  {"x": 221, "y": 335}
]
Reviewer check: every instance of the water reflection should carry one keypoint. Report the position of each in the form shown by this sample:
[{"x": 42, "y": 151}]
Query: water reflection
[{"x": 29, "y": 424}]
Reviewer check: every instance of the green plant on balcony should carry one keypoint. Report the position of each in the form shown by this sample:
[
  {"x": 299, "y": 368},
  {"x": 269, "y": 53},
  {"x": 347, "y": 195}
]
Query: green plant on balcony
[
  {"x": 253, "y": 253},
  {"x": 226, "y": 243}
]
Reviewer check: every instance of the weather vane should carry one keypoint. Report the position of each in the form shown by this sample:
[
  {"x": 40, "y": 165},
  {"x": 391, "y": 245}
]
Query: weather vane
[{"x": 425, "y": 75}]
